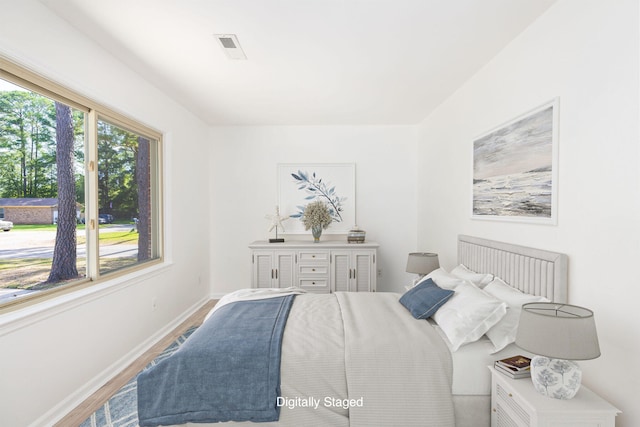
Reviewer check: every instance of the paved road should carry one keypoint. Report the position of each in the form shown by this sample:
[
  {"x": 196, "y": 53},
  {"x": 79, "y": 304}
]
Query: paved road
[{"x": 39, "y": 244}]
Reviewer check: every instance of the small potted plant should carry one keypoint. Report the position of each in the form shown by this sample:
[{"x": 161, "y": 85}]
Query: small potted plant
[{"x": 316, "y": 217}]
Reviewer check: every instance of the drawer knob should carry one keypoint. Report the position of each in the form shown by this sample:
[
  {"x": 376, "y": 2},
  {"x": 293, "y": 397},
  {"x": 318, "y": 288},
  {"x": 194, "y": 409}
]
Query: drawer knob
[
  {"x": 510, "y": 395},
  {"x": 313, "y": 256},
  {"x": 313, "y": 269},
  {"x": 313, "y": 283}
]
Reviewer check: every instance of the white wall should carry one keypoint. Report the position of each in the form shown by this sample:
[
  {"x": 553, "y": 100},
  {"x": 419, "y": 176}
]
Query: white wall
[
  {"x": 244, "y": 189},
  {"x": 587, "y": 53},
  {"x": 49, "y": 361}
]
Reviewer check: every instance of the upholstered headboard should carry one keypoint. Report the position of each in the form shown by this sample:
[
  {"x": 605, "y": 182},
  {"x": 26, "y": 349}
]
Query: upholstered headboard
[{"x": 533, "y": 271}]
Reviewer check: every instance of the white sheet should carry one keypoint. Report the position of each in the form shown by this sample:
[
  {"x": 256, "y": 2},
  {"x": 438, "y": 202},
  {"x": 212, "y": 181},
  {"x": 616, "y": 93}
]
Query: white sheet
[{"x": 470, "y": 373}]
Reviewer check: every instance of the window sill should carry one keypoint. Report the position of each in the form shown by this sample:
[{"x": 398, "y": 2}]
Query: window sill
[{"x": 30, "y": 314}]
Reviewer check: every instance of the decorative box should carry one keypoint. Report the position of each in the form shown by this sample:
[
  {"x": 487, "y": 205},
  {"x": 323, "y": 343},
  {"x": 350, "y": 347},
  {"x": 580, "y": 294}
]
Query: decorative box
[{"x": 356, "y": 235}]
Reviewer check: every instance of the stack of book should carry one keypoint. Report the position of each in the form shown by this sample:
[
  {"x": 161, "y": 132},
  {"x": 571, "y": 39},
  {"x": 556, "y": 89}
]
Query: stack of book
[{"x": 514, "y": 367}]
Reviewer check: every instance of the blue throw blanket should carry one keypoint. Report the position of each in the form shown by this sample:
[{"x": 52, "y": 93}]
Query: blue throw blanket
[{"x": 228, "y": 370}]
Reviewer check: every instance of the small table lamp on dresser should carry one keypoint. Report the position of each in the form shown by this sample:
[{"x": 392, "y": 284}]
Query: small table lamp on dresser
[
  {"x": 558, "y": 334},
  {"x": 422, "y": 263}
]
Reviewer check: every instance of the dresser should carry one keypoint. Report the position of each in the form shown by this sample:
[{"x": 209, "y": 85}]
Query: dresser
[
  {"x": 516, "y": 403},
  {"x": 323, "y": 267}
]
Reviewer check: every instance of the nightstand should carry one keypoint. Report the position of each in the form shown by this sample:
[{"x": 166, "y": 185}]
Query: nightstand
[{"x": 516, "y": 403}]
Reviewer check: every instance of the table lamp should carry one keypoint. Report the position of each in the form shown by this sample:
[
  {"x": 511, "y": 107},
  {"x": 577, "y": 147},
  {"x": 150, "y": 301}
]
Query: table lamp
[
  {"x": 558, "y": 334},
  {"x": 422, "y": 263}
]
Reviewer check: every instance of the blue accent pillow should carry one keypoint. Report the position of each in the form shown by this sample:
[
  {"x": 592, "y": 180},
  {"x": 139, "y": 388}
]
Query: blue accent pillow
[{"x": 425, "y": 299}]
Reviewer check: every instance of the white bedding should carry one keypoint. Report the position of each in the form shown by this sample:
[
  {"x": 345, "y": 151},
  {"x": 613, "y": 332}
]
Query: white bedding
[
  {"x": 470, "y": 374},
  {"x": 469, "y": 361},
  {"x": 400, "y": 365},
  {"x": 326, "y": 367},
  {"x": 315, "y": 335}
]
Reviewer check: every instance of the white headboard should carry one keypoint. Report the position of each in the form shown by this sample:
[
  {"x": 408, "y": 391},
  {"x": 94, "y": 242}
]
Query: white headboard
[{"x": 533, "y": 271}]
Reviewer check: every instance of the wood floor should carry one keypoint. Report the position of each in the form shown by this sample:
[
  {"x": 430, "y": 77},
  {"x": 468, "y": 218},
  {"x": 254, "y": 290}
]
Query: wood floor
[{"x": 100, "y": 397}]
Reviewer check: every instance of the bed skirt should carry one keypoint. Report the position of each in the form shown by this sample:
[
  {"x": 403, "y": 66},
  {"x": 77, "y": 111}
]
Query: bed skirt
[{"x": 472, "y": 411}]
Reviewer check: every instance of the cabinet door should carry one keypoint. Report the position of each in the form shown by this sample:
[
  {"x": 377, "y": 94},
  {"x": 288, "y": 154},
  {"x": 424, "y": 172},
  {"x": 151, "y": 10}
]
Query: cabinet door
[
  {"x": 273, "y": 269},
  {"x": 284, "y": 269},
  {"x": 341, "y": 271},
  {"x": 353, "y": 271},
  {"x": 364, "y": 274},
  {"x": 262, "y": 269}
]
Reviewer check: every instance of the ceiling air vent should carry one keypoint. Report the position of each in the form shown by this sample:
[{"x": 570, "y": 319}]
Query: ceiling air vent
[{"x": 230, "y": 45}]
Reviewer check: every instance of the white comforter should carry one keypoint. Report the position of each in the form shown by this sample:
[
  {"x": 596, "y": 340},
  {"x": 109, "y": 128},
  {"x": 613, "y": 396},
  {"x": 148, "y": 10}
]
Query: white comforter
[{"x": 360, "y": 359}]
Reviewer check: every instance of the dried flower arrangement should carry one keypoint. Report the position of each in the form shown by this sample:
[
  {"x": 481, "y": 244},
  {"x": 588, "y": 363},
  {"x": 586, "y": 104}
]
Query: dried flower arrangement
[{"x": 316, "y": 214}]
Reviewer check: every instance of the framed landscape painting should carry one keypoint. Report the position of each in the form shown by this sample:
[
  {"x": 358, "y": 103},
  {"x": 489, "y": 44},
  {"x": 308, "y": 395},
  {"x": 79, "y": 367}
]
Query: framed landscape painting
[
  {"x": 331, "y": 183},
  {"x": 515, "y": 171}
]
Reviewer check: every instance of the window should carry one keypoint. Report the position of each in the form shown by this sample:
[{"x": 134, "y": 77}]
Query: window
[
  {"x": 81, "y": 185},
  {"x": 125, "y": 194}
]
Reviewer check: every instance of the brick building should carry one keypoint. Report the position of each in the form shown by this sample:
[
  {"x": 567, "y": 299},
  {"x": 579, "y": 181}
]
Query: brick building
[{"x": 30, "y": 210}]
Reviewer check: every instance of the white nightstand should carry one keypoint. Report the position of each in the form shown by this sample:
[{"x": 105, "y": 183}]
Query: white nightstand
[{"x": 516, "y": 403}]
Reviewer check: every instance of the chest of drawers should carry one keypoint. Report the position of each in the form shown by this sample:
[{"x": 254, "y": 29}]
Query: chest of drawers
[{"x": 327, "y": 266}]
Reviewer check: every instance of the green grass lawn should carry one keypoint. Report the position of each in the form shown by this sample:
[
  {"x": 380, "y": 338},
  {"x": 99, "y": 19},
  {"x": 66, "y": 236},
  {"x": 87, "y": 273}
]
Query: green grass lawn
[
  {"x": 114, "y": 238},
  {"x": 118, "y": 237},
  {"x": 53, "y": 227}
]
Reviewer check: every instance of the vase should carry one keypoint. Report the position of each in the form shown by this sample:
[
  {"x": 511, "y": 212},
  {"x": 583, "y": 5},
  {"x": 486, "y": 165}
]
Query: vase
[
  {"x": 316, "y": 230},
  {"x": 555, "y": 378}
]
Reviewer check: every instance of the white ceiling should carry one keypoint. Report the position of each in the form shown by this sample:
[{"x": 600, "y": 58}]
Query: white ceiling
[{"x": 310, "y": 62}]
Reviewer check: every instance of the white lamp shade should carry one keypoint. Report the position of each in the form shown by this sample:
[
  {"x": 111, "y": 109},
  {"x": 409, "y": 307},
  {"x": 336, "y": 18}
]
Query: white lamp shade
[
  {"x": 422, "y": 262},
  {"x": 559, "y": 331}
]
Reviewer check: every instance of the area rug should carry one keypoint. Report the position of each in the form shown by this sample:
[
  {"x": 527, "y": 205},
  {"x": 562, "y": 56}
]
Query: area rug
[{"x": 122, "y": 408}]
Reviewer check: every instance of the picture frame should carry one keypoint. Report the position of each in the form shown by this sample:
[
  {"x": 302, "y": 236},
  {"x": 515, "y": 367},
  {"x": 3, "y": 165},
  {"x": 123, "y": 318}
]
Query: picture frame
[
  {"x": 515, "y": 169},
  {"x": 302, "y": 183}
]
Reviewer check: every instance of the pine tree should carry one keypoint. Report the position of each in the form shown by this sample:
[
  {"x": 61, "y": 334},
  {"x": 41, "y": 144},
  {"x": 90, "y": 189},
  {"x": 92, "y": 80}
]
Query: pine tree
[{"x": 64, "y": 252}]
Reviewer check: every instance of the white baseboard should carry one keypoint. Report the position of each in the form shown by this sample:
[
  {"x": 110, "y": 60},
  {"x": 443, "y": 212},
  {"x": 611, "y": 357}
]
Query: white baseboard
[{"x": 70, "y": 403}]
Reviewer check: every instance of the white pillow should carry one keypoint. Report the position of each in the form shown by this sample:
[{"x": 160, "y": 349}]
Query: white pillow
[
  {"x": 504, "y": 332},
  {"x": 469, "y": 314},
  {"x": 443, "y": 279},
  {"x": 479, "y": 279}
]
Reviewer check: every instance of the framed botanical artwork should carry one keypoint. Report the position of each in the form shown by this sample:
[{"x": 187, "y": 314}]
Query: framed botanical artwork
[
  {"x": 331, "y": 183},
  {"x": 515, "y": 169}
]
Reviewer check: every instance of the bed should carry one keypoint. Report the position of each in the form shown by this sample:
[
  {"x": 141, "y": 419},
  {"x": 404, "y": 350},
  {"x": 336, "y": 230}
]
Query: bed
[{"x": 362, "y": 359}]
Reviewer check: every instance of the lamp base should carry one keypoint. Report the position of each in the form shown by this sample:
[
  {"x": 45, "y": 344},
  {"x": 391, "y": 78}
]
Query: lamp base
[
  {"x": 417, "y": 280},
  {"x": 555, "y": 378}
]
